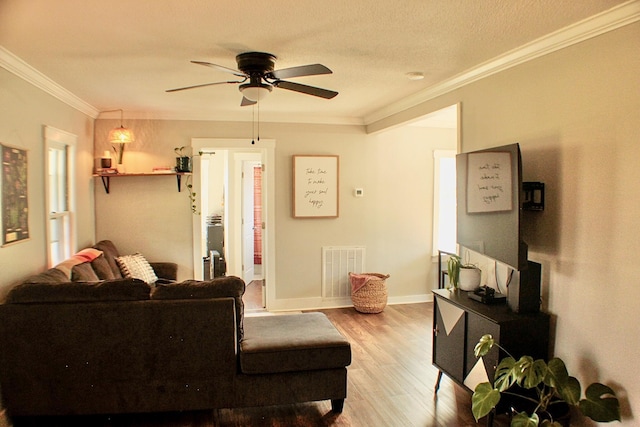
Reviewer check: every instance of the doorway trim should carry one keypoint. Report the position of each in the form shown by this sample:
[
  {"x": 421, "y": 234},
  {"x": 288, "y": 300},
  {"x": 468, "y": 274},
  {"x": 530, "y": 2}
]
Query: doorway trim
[{"x": 266, "y": 147}]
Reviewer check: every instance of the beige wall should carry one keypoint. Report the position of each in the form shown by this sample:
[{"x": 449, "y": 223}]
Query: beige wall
[
  {"x": 576, "y": 114},
  {"x": 24, "y": 111},
  {"x": 393, "y": 219}
]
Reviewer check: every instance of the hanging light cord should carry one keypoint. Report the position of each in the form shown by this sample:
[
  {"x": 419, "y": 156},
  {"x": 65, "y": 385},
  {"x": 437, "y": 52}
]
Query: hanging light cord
[{"x": 255, "y": 126}]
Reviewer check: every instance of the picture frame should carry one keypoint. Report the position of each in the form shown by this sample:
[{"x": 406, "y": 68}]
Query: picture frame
[
  {"x": 315, "y": 186},
  {"x": 489, "y": 182},
  {"x": 15, "y": 208}
]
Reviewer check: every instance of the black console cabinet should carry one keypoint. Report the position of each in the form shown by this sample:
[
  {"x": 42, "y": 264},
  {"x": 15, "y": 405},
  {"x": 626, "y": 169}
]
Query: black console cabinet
[{"x": 458, "y": 324}]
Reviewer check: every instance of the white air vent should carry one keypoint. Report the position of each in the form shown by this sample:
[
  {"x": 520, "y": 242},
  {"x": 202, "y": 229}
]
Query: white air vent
[{"x": 337, "y": 263}]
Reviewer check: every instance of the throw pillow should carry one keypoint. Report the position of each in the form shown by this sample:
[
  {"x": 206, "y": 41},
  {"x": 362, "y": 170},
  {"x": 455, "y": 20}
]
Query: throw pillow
[
  {"x": 102, "y": 268},
  {"x": 137, "y": 267},
  {"x": 83, "y": 273}
]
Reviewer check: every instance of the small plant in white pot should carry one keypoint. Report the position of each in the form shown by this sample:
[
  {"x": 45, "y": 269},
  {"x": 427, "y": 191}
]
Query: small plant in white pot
[{"x": 463, "y": 275}]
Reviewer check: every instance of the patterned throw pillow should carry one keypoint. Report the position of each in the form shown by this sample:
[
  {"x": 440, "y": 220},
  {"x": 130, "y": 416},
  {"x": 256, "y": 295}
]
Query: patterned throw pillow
[{"x": 136, "y": 266}]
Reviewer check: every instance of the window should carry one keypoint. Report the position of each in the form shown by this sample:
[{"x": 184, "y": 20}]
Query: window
[
  {"x": 60, "y": 149},
  {"x": 444, "y": 201}
]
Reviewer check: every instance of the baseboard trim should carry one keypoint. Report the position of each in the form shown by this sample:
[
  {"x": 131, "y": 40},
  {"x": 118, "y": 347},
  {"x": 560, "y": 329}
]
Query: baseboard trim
[{"x": 296, "y": 304}]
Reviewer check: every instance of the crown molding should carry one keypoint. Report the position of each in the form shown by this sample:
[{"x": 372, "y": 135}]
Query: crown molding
[
  {"x": 616, "y": 17},
  {"x": 17, "y": 66}
]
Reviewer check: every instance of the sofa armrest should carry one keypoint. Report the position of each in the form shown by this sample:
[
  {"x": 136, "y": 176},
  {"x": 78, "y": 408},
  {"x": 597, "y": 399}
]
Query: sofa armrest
[{"x": 165, "y": 270}]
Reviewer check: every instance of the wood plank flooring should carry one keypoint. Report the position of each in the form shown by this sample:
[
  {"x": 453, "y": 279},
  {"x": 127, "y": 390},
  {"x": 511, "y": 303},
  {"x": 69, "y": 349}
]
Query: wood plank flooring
[{"x": 391, "y": 381}]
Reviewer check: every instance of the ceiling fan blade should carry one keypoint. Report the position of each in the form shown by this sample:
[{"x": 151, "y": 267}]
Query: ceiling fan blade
[
  {"x": 303, "y": 70},
  {"x": 220, "y": 67},
  {"x": 309, "y": 90},
  {"x": 245, "y": 102},
  {"x": 201, "y": 85}
]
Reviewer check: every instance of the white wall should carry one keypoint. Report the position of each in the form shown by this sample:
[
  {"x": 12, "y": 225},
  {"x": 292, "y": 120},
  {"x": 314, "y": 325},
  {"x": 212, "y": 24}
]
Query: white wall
[
  {"x": 24, "y": 111},
  {"x": 576, "y": 114}
]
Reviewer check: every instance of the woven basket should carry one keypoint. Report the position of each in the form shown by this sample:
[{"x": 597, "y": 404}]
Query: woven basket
[{"x": 372, "y": 297}]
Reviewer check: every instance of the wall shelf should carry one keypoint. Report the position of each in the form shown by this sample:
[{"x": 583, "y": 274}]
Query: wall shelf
[{"x": 106, "y": 178}]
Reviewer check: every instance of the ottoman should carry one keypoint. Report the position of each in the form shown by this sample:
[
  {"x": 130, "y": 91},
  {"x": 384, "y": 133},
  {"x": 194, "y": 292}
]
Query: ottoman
[{"x": 293, "y": 343}]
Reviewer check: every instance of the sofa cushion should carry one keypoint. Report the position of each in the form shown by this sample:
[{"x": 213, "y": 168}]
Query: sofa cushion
[
  {"x": 219, "y": 287},
  {"x": 83, "y": 273},
  {"x": 110, "y": 254},
  {"x": 138, "y": 267},
  {"x": 291, "y": 343},
  {"x": 109, "y": 290},
  {"x": 102, "y": 268},
  {"x": 52, "y": 275}
]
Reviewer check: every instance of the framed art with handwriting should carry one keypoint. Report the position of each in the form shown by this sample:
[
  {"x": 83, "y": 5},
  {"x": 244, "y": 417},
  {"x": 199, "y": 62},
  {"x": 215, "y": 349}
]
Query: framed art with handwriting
[
  {"x": 315, "y": 186},
  {"x": 489, "y": 187}
]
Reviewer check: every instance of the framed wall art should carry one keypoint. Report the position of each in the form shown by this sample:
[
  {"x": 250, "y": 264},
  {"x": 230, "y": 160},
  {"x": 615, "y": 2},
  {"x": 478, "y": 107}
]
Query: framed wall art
[
  {"x": 315, "y": 186},
  {"x": 15, "y": 209},
  {"x": 489, "y": 186}
]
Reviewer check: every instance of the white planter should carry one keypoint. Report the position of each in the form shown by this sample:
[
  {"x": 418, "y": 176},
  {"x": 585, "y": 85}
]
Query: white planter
[{"x": 469, "y": 279}]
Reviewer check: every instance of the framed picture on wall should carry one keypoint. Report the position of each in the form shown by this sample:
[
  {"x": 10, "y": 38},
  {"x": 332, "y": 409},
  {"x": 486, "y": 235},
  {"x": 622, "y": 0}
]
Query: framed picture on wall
[
  {"x": 15, "y": 209},
  {"x": 489, "y": 182},
  {"x": 315, "y": 186}
]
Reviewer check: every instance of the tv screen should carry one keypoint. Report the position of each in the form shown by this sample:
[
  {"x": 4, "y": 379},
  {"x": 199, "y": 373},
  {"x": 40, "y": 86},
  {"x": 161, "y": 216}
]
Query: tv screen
[{"x": 489, "y": 204}]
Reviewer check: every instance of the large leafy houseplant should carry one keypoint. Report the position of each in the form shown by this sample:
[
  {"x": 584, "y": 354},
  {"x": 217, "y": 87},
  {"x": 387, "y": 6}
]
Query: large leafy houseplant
[{"x": 543, "y": 385}]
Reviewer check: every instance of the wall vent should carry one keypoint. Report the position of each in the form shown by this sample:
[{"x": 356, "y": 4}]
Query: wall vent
[{"x": 337, "y": 263}]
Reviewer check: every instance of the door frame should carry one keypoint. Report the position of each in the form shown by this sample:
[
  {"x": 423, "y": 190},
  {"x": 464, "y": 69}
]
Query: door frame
[
  {"x": 243, "y": 161},
  {"x": 266, "y": 148}
]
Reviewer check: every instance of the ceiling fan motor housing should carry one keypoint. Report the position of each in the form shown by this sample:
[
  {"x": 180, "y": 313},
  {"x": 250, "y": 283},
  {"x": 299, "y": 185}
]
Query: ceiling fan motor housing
[{"x": 256, "y": 63}]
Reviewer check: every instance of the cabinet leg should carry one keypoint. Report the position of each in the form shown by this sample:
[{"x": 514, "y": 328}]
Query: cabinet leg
[
  {"x": 337, "y": 405},
  {"x": 437, "y": 386},
  {"x": 490, "y": 418}
]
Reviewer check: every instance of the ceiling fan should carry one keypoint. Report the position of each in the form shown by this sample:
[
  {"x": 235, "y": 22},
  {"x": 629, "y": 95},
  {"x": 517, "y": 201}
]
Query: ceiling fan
[{"x": 258, "y": 77}]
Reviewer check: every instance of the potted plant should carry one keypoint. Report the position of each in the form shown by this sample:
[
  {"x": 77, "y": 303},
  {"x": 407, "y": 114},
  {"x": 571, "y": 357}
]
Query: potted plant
[
  {"x": 540, "y": 387},
  {"x": 463, "y": 275},
  {"x": 183, "y": 161}
]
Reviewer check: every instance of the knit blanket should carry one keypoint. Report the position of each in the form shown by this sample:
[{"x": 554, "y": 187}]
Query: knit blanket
[
  {"x": 85, "y": 255},
  {"x": 359, "y": 280}
]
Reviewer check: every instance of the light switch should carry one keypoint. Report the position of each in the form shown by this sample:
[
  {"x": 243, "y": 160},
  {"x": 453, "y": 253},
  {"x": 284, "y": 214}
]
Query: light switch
[{"x": 358, "y": 192}]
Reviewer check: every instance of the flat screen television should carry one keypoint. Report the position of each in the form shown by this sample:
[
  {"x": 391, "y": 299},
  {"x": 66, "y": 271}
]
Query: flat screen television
[{"x": 489, "y": 204}]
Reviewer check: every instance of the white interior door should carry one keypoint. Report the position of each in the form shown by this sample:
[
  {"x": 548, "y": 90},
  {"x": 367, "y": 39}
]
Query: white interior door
[{"x": 247, "y": 220}]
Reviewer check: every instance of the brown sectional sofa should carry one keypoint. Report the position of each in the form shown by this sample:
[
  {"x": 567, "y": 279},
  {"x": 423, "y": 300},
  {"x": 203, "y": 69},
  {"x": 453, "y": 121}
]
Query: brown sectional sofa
[{"x": 121, "y": 345}]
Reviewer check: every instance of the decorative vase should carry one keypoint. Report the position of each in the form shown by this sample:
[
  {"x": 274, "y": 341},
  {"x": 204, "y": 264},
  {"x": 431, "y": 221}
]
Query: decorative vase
[
  {"x": 183, "y": 164},
  {"x": 469, "y": 278}
]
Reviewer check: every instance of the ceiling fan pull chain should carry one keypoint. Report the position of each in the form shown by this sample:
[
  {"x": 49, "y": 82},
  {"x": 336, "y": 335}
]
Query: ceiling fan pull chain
[
  {"x": 253, "y": 124},
  {"x": 258, "y": 105}
]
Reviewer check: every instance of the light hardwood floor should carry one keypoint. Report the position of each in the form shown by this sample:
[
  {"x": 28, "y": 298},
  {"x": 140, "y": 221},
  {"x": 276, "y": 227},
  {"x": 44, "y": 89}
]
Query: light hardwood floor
[{"x": 390, "y": 383}]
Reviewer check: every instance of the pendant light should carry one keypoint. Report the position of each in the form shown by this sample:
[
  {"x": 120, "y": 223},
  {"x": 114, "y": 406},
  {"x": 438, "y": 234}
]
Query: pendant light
[{"x": 121, "y": 136}]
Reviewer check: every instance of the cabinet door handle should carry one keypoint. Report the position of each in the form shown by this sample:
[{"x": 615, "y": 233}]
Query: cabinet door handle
[{"x": 435, "y": 331}]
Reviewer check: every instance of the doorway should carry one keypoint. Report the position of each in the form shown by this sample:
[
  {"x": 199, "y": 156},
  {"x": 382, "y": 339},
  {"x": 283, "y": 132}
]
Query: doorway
[{"x": 224, "y": 178}]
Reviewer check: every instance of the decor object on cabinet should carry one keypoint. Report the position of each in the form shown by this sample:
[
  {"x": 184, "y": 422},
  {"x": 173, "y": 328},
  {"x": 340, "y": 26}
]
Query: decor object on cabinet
[
  {"x": 540, "y": 386},
  {"x": 315, "y": 186},
  {"x": 463, "y": 275},
  {"x": 15, "y": 208}
]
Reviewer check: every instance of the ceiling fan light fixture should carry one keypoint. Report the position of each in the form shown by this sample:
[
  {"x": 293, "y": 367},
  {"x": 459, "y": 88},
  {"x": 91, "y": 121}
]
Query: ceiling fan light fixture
[{"x": 255, "y": 93}]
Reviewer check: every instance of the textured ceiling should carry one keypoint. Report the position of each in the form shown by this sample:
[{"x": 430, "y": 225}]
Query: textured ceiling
[{"x": 125, "y": 54}]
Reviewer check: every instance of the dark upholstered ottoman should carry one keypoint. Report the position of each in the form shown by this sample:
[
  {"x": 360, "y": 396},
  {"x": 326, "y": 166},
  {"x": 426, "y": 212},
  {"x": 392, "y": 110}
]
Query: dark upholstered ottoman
[{"x": 306, "y": 342}]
